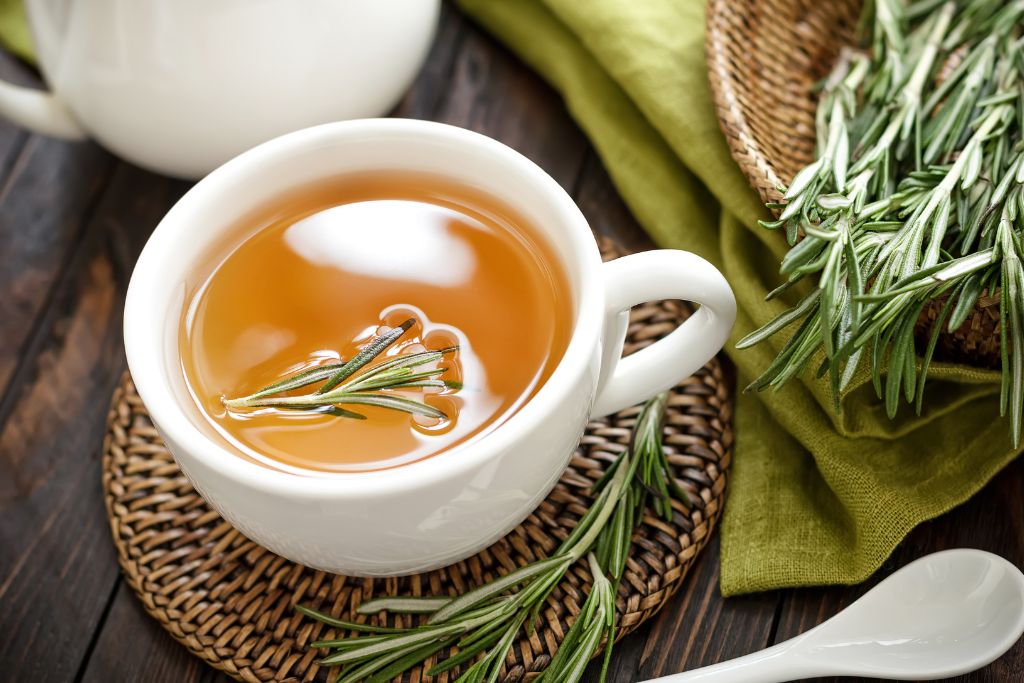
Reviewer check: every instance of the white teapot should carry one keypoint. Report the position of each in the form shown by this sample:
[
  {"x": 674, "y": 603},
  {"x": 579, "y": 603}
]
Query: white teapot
[{"x": 180, "y": 86}]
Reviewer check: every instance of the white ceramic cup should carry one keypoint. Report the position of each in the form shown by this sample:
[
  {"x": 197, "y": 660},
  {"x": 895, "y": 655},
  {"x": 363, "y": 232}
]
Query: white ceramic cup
[
  {"x": 444, "y": 508},
  {"x": 181, "y": 86}
]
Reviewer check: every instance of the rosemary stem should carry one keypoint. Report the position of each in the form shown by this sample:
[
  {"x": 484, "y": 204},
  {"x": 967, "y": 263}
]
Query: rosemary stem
[
  {"x": 910, "y": 95},
  {"x": 254, "y": 401},
  {"x": 931, "y": 50},
  {"x": 615, "y": 487},
  {"x": 355, "y": 382},
  {"x": 623, "y": 474}
]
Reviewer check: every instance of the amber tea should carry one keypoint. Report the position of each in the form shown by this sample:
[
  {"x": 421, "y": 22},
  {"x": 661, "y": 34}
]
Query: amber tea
[{"x": 370, "y": 322}]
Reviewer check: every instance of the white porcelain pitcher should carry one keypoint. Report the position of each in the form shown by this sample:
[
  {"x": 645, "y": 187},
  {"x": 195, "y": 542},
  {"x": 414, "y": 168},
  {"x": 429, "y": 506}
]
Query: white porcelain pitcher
[{"x": 180, "y": 86}]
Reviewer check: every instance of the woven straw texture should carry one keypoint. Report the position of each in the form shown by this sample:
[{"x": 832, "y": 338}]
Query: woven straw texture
[
  {"x": 764, "y": 59},
  {"x": 229, "y": 601}
]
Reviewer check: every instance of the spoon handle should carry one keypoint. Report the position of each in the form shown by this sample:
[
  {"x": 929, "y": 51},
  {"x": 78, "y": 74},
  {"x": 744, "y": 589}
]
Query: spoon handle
[{"x": 772, "y": 665}]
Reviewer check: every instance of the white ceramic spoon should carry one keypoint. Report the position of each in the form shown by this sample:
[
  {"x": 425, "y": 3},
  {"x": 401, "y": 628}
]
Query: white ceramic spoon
[{"x": 943, "y": 615}]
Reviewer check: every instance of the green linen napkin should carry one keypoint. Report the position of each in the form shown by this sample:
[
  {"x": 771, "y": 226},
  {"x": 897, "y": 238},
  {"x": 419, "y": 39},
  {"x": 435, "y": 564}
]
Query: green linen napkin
[{"x": 816, "y": 498}]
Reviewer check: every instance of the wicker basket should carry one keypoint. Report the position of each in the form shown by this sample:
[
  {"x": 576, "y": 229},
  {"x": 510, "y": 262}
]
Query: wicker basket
[{"x": 764, "y": 58}]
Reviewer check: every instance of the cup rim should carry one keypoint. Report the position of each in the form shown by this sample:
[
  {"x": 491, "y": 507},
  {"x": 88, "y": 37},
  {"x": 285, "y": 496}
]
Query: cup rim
[{"x": 145, "y": 346}]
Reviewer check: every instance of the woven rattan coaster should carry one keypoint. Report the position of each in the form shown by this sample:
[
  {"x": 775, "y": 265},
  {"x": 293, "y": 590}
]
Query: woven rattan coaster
[{"x": 229, "y": 600}]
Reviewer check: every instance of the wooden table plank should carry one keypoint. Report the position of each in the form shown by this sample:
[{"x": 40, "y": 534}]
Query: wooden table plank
[
  {"x": 44, "y": 205},
  {"x": 604, "y": 209},
  {"x": 56, "y": 580},
  {"x": 698, "y": 628},
  {"x": 154, "y": 655},
  {"x": 493, "y": 93},
  {"x": 12, "y": 138},
  {"x": 59, "y": 579},
  {"x": 46, "y": 190},
  {"x": 430, "y": 90}
]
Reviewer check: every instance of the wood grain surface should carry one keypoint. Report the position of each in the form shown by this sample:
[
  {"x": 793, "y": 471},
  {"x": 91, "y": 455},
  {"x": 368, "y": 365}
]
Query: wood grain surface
[{"x": 72, "y": 222}]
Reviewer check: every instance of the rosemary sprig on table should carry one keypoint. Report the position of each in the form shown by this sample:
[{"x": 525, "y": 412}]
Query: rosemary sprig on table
[
  {"x": 917, "y": 196},
  {"x": 483, "y": 623},
  {"x": 356, "y": 382}
]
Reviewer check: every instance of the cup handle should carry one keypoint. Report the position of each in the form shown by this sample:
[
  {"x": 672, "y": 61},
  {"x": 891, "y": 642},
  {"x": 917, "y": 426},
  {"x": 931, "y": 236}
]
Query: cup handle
[
  {"x": 654, "y": 276},
  {"x": 39, "y": 111}
]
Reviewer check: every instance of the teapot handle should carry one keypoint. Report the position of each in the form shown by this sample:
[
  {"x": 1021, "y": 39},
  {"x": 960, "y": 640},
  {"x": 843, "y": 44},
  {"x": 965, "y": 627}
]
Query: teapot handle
[{"x": 39, "y": 111}]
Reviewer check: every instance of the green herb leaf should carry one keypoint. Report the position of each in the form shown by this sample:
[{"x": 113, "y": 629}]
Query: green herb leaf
[
  {"x": 359, "y": 383},
  {"x": 920, "y": 156}
]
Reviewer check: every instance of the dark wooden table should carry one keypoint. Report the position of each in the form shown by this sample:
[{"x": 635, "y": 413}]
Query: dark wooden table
[{"x": 72, "y": 221}]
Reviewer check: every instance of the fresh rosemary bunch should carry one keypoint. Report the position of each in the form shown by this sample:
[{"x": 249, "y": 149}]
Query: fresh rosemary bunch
[
  {"x": 917, "y": 196},
  {"x": 483, "y": 623},
  {"x": 353, "y": 383}
]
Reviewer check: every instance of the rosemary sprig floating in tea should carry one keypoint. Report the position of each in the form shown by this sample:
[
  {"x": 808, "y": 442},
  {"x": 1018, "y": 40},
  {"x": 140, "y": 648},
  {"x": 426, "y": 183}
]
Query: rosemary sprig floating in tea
[
  {"x": 356, "y": 382},
  {"x": 917, "y": 197},
  {"x": 483, "y": 623}
]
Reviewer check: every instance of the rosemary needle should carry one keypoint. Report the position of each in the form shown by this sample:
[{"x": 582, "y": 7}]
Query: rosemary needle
[
  {"x": 359, "y": 382},
  {"x": 916, "y": 199}
]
